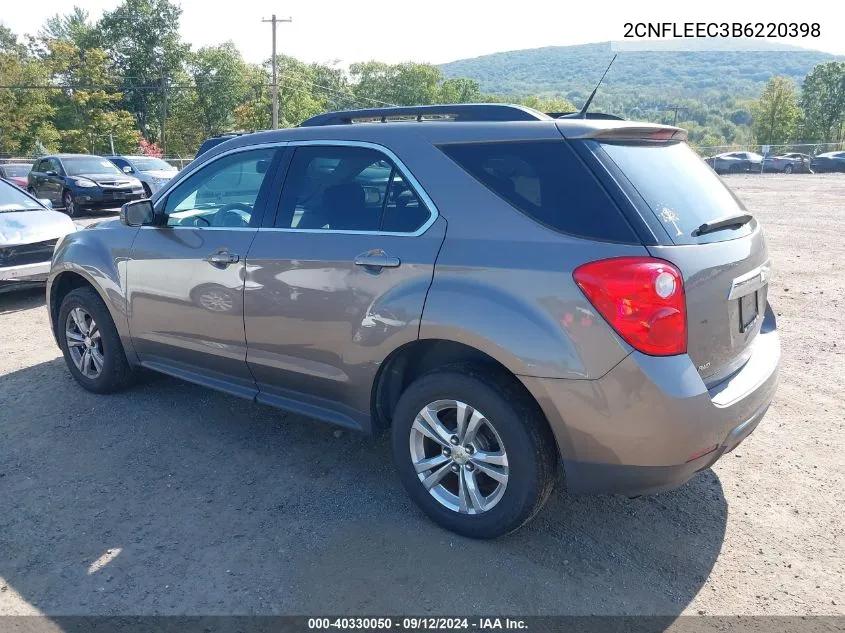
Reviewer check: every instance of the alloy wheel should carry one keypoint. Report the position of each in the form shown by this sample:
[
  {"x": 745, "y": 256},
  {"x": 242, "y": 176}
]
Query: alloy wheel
[
  {"x": 459, "y": 456},
  {"x": 84, "y": 343}
]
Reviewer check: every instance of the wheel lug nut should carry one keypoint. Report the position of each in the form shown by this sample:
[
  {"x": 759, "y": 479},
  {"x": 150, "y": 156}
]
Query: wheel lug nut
[
  {"x": 470, "y": 449},
  {"x": 470, "y": 467},
  {"x": 454, "y": 440},
  {"x": 447, "y": 452},
  {"x": 455, "y": 468}
]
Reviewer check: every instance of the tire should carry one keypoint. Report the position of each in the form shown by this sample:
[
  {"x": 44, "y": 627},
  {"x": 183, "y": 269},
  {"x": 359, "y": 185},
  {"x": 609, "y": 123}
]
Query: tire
[
  {"x": 513, "y": 425},
  {"x": 734, "y": 169},
  {"x": 147, "y": 192},
  {"x": 788, "y": 169},
  {"x": 114, "y": 372},
  {"x": 69, "y": 204}
]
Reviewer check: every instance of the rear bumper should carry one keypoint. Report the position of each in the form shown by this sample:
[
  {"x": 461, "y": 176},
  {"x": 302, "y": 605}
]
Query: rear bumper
[{"x": 651, "y": 423}]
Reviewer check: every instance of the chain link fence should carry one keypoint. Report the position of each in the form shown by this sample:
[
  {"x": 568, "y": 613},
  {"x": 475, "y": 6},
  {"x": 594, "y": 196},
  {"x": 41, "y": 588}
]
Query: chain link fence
[
  {"x": 177, "y": 161},
  {"x": 811, "y": 149}
]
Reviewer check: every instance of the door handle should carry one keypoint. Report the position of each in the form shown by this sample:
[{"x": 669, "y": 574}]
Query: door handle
[
  {"x": 222, "y": 258},
  {"x": 377, "y": 259}
]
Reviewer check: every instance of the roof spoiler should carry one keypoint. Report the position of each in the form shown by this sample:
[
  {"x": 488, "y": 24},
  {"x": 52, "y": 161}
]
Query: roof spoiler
[{"x": 625, "y": 131}]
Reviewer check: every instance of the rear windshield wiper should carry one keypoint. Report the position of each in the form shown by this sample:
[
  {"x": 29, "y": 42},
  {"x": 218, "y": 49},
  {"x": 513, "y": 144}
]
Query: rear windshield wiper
[{"x": 726, "y": 222}]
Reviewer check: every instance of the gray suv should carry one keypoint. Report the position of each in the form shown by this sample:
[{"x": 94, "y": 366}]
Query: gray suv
[{"x": 511, "y": 296}]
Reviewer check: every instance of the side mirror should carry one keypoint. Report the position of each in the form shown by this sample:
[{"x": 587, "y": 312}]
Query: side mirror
[
  {"x": 46, "y": 202},
  {"x": 137, "y": 213},
  {"x": 261, "y": 166},
  {"x": 128, "y": 169},
  {"x": 50, "y": 173}
]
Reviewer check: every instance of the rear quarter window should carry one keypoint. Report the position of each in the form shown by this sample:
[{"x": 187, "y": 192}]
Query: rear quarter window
[{"x": 548, "y": 182}]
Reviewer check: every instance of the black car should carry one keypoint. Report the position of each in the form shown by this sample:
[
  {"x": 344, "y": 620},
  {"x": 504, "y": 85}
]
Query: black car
[
  {"x": 214, "y": 141},
  {"x": 735, "y": 162},
  {"x": 75, "y": 182},
  {"x": 828, "y": 162}
]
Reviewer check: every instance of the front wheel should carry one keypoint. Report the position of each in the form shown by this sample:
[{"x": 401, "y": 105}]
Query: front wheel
[
  {"x": 473, "y": 452},
  {"x": 69, "y": 203},
  {"x": 787, "y": 169},
  {"x": 90, "y": 343}
]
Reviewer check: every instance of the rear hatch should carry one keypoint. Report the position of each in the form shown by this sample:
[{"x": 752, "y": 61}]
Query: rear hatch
[{"x": 687, "y": 215}]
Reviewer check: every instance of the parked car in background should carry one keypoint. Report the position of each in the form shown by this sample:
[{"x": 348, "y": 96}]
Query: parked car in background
[
  {"x": 735, "y": 162},
  {"x": 15, "y": 173},
  {"x": 828, "y": 162},
  {"x": 75, "y": 182},
  {"x": 600, "y": 298},
  {"x": 153, "y": 172},
  {"x": 793, "y": 163},
  {"x": 214, "y": 141},
  {"x": 29, "y": 230}
]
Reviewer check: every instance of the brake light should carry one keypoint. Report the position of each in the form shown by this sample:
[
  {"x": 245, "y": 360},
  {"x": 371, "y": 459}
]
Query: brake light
[{"x": 643, "y": 300}]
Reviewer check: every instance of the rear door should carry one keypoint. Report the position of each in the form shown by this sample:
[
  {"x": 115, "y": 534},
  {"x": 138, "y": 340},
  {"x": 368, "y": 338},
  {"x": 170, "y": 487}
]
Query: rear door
[
  {"x": 339, "y": 279},
  {"x": 726, "y": 270}
]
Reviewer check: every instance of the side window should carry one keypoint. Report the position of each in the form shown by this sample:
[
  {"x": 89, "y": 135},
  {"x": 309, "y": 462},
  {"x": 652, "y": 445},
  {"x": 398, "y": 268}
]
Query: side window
[
  {"x": 121, "y": 163},
  {"x": 546, "y": 181},
  {"x": 221, "y": 194},
  {"x": 344, "y": 188},
  {"x": 56, "y": 166}
]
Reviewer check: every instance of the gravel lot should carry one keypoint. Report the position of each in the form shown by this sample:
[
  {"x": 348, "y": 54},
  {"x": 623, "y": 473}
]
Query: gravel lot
[{"x": 172, "y": 499}]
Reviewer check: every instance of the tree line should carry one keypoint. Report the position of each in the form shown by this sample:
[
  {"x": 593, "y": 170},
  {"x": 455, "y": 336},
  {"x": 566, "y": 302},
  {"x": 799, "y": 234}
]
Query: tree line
[{"x": 128, "y": 78}]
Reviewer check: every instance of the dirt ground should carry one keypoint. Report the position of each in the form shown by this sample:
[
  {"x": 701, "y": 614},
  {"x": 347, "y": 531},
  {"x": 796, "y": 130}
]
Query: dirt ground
[{"x": 172, "y": 499}]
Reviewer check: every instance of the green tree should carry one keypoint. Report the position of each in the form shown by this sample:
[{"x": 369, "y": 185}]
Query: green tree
[
  {"x": 86, "y": 113},
  {"x": 74, "y": 27},
  {"x": 143, "y": 43},
  {"x": 823, "y": 100},
  {"x": 25, "y": 114},
  {"x": 776, "y": 113},
  {"x": 220, "y": 76}
]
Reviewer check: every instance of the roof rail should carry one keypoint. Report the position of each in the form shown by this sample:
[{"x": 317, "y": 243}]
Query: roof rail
[
  {"x": 452, "y": 112},
  {"x": 590, "y": 115}
]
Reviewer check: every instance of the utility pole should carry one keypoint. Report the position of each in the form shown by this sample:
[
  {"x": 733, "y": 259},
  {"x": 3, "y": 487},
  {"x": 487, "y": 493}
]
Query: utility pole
[
  {"x": 274, "y": 20},
  {"x": 163, "y": 113}
]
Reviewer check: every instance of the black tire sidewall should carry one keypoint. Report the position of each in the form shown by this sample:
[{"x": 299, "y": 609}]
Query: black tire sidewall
[
  {"x": 114, "y": 363},
  {"x": 72, "y": 212},
  {"x": 513, "y": 421}
]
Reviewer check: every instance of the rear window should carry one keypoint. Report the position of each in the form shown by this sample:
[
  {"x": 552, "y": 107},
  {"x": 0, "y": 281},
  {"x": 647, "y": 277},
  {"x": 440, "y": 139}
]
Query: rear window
[
  {"x": 548, "y": 182},
  {"x": 680, "y": 189}
]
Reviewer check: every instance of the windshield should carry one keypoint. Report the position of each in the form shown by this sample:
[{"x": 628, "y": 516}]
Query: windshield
[
  {"x": 12, "y": 199},
  {"x": 79, "y": 165},
  {"x": 16, "y": 171},
  {"x": 152, "y": 164},
  {"x": 682, "y": 191}
]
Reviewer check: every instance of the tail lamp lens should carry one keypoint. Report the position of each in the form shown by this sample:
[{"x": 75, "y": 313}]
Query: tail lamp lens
[{"x": 642, "y": 298}]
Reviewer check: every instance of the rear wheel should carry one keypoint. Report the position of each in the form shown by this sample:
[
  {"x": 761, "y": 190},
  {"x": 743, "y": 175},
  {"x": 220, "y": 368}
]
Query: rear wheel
[
  {"x": 788, "y": 169},
  {"x": 90, "y": 343},
  {"x": 473, "y": 452}
]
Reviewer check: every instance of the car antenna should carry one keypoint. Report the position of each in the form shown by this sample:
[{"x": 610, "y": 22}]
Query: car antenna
[{"x": 583, "y": 113}]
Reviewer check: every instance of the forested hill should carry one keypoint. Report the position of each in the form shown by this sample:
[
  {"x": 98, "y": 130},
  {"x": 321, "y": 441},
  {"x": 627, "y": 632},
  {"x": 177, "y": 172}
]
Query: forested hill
[{"x": 572, "y": 71}]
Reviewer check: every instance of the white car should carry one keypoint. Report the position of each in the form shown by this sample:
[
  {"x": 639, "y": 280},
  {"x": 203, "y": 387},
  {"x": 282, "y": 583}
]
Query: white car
[
  {"x": 29, "y": 231},
  {"x": 153, "y": 172}
]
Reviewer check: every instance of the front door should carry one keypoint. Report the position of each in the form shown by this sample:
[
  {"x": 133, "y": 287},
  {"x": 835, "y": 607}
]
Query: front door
[
  {"x": 186, "y": 279},
  {"x": 338, "y": 280}
]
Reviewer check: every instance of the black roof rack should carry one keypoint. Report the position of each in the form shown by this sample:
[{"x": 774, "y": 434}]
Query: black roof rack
[
  {"x": 590, "y": 115},
  {"x": 451, "y": 112}
]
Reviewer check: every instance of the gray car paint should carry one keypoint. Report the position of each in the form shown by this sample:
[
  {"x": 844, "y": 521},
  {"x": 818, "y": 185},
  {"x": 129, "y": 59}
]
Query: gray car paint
[{"x": 506, "y": 290}]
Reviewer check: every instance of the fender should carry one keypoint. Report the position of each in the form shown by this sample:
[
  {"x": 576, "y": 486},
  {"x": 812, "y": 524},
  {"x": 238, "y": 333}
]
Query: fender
[
  {"x": 522, "y": 327},
  {"x": 99, "y": 255}
]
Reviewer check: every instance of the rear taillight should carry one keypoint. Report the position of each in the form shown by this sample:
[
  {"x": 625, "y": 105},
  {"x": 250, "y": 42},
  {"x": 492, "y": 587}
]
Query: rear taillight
[{"x": 643, "y": 300}]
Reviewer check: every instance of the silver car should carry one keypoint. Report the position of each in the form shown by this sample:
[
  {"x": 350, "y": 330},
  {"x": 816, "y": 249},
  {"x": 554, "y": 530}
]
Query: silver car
[
  {"x": 29, "y": 230},
  {"x": 507, "y": 294},
  {"x": 153, "y": 172}
]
